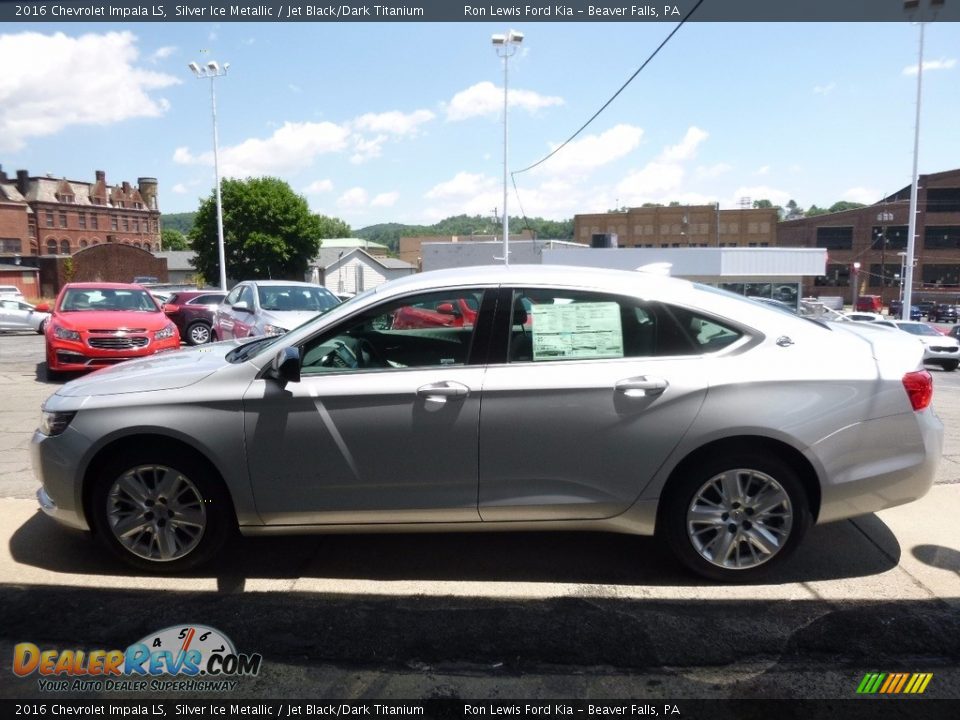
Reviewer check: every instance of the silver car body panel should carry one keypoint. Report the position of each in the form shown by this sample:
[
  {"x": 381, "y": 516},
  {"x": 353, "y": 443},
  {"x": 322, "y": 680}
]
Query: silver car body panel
[{"x": 309, "y": 457}]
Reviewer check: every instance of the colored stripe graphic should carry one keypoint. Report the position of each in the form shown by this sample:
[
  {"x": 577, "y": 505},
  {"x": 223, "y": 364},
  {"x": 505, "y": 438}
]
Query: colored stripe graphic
[{"x": 894, "y": 683}]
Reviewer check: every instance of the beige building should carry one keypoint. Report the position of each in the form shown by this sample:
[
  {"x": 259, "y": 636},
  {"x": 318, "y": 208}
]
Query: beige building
[
  {"x": 410, "y": 247},
  {"x": 682, "y": 226}
]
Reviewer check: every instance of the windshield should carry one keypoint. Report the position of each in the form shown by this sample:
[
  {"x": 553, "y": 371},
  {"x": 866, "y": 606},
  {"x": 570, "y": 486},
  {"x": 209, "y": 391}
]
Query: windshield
[
  {"x": 295, "y": 298},
  {"x": 917, "y": 329},
  {"x": 87, "y": 299}
]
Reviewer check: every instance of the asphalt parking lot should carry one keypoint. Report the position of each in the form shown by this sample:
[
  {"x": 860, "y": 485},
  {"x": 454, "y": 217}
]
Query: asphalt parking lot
[{"x": 506, "y": 615}]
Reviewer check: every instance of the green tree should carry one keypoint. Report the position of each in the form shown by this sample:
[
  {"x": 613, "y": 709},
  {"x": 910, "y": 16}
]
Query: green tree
[
  {"x": 172, "y": 239},
  {"x": 814, "y": 211},
  {"x": 845, "y": 205},
  {"x": 794, "y": 211},
  {"x": 764, "y": 204},
  {"x": 178, "y": 221},
  {"x": 269, "y": 231}
]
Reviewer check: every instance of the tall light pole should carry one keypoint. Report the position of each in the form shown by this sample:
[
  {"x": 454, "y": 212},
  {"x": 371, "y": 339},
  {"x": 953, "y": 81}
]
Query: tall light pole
[
  {"x": 883, "y": 217},
  {"x": 911, "y": 6},
  {"x": 506, "y": 46},
  {"x": 212, "y": 70}
]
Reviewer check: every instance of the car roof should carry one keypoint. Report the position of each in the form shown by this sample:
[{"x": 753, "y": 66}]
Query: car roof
[
  {"x": 102, "y": 286},
  {"x": 277, "y": 282}
]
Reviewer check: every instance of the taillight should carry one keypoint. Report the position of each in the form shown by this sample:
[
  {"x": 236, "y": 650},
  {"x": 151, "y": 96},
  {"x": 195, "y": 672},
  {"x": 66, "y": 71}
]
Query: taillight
[
  {"x": 170, "y": 309},
  {"x": 919, "y": 387}
]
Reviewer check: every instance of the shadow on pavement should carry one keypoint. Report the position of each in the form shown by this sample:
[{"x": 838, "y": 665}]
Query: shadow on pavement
[
  {"x": 838, "y": 550},
  {"x": 938, "y": 556}
]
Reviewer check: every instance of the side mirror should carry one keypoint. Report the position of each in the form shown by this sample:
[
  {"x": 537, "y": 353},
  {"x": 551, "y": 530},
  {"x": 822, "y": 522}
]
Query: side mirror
[
  {"x": 285, "y": 366},
  {"x": 447, "y": 309},
  {"x": 43, "y": 307},
  {"x": 242, "y": 306}
]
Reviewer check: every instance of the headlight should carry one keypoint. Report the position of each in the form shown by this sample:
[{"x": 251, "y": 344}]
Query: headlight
[
  {"x": 54, "y": 423},
  {"x": 168, "y": 332},
  {"x": 273, "y": 330},
  {"x": 65, "y": 334}
]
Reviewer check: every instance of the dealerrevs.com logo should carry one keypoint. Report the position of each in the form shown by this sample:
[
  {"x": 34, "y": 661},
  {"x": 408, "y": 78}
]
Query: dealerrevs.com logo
[{"x": 178, "y": 658}]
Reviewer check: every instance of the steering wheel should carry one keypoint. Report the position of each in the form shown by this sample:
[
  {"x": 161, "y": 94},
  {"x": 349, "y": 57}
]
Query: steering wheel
[{"x": 369, "y": 355}]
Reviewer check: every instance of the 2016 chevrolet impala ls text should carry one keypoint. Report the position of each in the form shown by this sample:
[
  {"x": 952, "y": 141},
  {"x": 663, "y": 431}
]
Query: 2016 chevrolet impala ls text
[{"x": 575, "y": 399}]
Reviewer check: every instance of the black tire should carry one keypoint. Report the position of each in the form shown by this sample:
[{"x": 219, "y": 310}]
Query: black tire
[
  {"x": 202, "y": 493},
  {"x": 42, "y": 328},
  {"x": 950, "y": 365},
  {"x": 198, "y": 333},
  {"x": 754, "y": 471}
]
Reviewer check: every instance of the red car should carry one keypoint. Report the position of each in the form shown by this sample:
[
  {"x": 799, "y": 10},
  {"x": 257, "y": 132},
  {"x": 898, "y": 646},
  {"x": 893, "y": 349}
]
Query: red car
[
  {"x": 99, "y": 324},
  {"x": 457, "y": 312},
  {"x": 192, "y": 312}
]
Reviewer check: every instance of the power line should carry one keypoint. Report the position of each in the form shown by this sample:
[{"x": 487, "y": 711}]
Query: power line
[{"x": 614, "y": 96}]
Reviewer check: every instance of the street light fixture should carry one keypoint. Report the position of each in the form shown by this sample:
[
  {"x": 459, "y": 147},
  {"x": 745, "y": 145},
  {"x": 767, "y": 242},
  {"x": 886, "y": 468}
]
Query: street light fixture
[
  {"x": 213, "y": 71},
  {"x": 506, "y": 46}
]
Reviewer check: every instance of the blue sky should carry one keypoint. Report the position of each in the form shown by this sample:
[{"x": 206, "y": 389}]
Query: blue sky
[{"x": 401, "y": 122}]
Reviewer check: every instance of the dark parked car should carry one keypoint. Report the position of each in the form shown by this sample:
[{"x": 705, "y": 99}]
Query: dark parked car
[
  {"x": 955, "y": 332},
  {"x": 896, "y": 305},
  {"x": 926, "y": 307},
  {"x": 192, "y": 312},
  {"x": 943, "y": 314}
]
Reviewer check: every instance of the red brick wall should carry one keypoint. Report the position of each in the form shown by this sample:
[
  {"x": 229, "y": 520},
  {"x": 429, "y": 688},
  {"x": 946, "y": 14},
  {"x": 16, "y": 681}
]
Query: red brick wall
[
  {"x": 100, "y": 263},
  {"x": 13, "y": 225}
]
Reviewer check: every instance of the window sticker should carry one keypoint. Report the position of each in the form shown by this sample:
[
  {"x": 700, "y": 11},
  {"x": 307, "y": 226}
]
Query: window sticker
[{"x": 577, "y": 331}]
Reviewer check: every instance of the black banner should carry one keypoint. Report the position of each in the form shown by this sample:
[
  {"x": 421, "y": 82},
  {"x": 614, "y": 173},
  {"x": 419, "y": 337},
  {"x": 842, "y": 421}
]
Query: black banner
[
  {"x": 124, "y": 11},
  {"x": 874, "y": 709}
]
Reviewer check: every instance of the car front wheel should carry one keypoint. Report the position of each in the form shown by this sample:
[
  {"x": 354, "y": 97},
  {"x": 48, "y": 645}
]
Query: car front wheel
[
  {"x": 160, "y": 511},
  {"x": 951, "y": 365},
  {"x": 735, "y": 518},
  {"x": 198, "y": 334}
]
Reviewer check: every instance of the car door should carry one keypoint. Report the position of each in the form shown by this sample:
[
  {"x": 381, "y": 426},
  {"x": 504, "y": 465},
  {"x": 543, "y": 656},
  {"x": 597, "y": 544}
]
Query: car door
[
  {"x": 381, "y": 428},
  {"x": 592, "y": 394}
]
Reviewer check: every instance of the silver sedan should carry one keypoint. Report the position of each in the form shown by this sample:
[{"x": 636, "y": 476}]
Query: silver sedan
[
  {"x": 571, "y": 399},
  {"x": 19, "y": 315}
]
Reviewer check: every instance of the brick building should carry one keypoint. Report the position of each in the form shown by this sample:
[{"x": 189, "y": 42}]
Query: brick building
[
  {"x": 682, "y": 226},
  {"x": 50, "y": 216},
  {"x": 874, "y": 236}
]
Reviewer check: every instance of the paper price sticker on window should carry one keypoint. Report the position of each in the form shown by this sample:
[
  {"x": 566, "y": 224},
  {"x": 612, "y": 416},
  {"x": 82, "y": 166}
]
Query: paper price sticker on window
[{"x": 577, "y": 331}]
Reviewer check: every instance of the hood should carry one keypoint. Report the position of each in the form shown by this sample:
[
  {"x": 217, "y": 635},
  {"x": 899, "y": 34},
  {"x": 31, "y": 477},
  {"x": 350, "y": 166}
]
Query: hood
[
  {"x": 288, "y": 319},
  {"x": 112, "y": 320},
  {"x": 166, "y": 371},
  {"x": 937, "y": 340}
]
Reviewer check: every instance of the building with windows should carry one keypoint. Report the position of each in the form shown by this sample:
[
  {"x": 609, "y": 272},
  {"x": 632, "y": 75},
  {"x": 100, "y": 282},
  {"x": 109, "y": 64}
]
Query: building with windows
[
  {"x": 681, "y": 226},
  {"x": 43, "y": 215},
  {"x": 875, "y": 236}
]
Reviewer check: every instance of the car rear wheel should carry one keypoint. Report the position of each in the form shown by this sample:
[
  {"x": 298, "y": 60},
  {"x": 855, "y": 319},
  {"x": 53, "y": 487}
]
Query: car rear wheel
[
  {"x": 198, "y": 334},
  {"x": 735, "y": 518},
  {"x": 160, "y": 511}
]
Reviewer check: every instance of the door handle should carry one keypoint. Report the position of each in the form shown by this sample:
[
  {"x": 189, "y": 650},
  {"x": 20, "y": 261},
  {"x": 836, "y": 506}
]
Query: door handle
[
  {"x": 443, "y": 391},
  {"x": 642, "y": 386}
]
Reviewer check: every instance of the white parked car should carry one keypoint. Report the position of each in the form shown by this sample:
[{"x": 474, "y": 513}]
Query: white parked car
[
  {"x": 11, "y": 292},
  {"x": 18, "y": 315},
  {"x": 864, "y": 316},
  {"x": 938, "y": 349}
]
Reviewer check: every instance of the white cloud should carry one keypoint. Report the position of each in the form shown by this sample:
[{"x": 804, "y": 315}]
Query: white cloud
[
  {"x": 162, "y": 53},
  {"x": 762, "y": 170},
  {"x": 867, "y": 196},
  {"x": 353, "y": 198},
  {"x": 366, "y": 148},
  {"x": 708, "y": 172},
  {"x": 179, "y": 189},
  {"x": 653, "y": 180},
  {"x": 485, "y": 98},
  {"x": 941, "y": 64},
  {"x": 594, "y": 151},
  {"x": 387, "y": 199},
  {"x": 686, "y": 149},
  {"x": 759, "y": 192},
  {"x": 824, "y": 89},
  {"x": 393, "y": 122},
  {"x": 462, "y": 184},
  {"x": 292, "y": 147},
  {"x": 318, "y": 186},
  {"x": 42, "y": 99}
]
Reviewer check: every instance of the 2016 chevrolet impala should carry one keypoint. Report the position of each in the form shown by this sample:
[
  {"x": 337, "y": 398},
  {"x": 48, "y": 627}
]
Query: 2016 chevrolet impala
[{"x": 577, "y": 399}]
